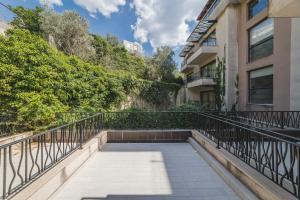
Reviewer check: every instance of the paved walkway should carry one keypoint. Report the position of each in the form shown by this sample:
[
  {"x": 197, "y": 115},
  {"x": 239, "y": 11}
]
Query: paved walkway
[{"x": 145, "y": 172}]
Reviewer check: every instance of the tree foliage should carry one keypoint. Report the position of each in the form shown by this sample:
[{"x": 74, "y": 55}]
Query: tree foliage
[
  {"x": 69, "y": 32},
  {"x": 27, "y": 18},
  {"x": 36, "y": 81},
  {"x": 164, "y": 64},
  {"x": 50, "y": 63},
  {"x": 113, "y": 55}
]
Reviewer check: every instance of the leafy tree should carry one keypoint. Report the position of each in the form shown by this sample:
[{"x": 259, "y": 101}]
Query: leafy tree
[
  {"x": 27, "y": 18},
  {"x": 112, "y": 40},
  {"x": 115, "y": 56},
  {"x": 37, "y": 81},
  {"x": 164, "y": 63},
  {"x": 69, "y": 32}
]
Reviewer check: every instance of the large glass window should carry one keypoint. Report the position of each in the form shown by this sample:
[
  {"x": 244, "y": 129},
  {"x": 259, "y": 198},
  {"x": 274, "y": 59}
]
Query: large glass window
[
  {"x": 261, "y": 40},
  {"x": 189, "y": 77},
  {"x": 208, "y": 99},
  {"x": 209, "y": 70},
  {"x": 211, "y": 40},
  {"x": 261, "y": 86},
  {"x": 256, "y": 6}
]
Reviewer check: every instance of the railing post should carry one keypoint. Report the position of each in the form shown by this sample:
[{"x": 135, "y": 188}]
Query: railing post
[
  {"x": 4, "y": 173},
  {"x": 298, "y": 171},
  {"x": 282, "y": 120},
  {"x": 80, "y": 135},
  {"x": 218, "y": 134}
]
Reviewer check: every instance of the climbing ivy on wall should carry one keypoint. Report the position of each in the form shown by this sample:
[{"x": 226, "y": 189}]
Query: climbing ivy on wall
[{"x": 220, "y": 83}]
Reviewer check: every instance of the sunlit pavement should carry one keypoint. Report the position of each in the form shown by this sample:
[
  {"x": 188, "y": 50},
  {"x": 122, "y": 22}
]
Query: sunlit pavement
[{"x": 145, "y": 172}]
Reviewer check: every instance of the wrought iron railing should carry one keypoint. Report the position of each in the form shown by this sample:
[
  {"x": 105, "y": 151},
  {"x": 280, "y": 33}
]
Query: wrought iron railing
[
  {"x": 268, "y": 119},
  {"x": 273, "y": 154},
  {"x": 198, "y": 75},
  {"x": 10, "y": 124},
  {"x": 24, "y": 160},
  {"x": 276, "y": 156}
]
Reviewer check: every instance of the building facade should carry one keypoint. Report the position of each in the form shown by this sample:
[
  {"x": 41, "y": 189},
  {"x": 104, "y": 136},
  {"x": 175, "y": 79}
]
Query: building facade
[{"x": 260, "y": 55}]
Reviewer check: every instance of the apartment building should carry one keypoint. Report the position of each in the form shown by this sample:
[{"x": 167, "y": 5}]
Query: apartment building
[{"x": 261, "y": 55}]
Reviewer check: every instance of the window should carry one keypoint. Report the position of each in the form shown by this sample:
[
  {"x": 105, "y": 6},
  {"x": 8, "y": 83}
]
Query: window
[
  {"x": 256, "y": 6},
  {"x": 189, "y": 77},
  {"x": 211, "y": 40},
  {"x": 261, "y": 86},
  {"x": 261, "y": 40},
  {"x": 209, "y": 70},
  {"x": 208, "y": 99}
]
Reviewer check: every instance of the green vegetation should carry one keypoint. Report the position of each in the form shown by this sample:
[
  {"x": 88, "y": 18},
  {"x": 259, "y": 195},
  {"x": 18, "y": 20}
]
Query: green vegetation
[
  {"x": 40, "y": 76},
  {"x": 220, "y": 83}
]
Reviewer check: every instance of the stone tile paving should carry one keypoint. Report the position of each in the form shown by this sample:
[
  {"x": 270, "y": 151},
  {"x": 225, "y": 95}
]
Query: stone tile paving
[{"x": 145, "y": 172}]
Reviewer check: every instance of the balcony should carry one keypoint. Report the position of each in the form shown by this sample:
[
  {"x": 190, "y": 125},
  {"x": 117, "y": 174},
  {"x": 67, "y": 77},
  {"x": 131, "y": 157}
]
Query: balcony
[
  {"x": 203, "y": 51},
  {"x": 185, "y": 67},
  {"x": 197, "y": 79}
]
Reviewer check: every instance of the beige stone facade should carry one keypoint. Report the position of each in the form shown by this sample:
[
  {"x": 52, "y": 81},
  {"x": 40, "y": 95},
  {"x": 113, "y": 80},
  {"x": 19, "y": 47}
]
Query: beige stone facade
[{"x": 261, "y": 53}]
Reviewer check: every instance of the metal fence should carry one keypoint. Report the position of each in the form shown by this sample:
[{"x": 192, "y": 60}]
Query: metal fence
[
  {"x": 24, "y": 160},
  {"x": 272, "y": 154},
  {"x": 275, "y": 155},
  {"x": 268, "y": 119}
]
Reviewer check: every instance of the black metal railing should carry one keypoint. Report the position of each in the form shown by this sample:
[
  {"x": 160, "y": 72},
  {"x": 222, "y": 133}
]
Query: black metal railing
[
  {"x": 199, "y": 75},
  {"x": 268, "y": 119},
  {"x": 24, "y": 160},
  {"x": 275, "y": 155},
  {"x": 10, "y": 124},
  {"x": 69, "y": 117}
]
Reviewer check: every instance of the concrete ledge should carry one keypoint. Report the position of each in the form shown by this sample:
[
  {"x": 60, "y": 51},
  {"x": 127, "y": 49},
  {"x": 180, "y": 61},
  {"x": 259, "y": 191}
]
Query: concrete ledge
[
  {"x": 242, "y": 191},
  {"x": 43, "y": 187},
  {"x": 260, "y": 185},
  {"x": 147, "y": 136}
]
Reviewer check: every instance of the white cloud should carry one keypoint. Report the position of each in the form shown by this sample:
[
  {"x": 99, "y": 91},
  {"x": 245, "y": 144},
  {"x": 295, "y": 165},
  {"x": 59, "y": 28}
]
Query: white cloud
[
  {"x": 165, "y": 22},
  {"x": 105, "y": 7},
  {"x": 51, "y": 3}
]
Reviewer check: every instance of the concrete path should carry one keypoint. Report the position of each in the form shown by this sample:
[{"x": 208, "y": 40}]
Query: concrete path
[{"x": 145, "y": 172}]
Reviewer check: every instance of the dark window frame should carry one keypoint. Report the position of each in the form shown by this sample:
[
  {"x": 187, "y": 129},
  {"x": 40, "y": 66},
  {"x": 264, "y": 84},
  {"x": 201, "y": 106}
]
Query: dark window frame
[
  {"x": 250, "y": 6},
  {"x": 211, "y": 104},
  {"x": 250, "y": 90},
  {"x": 250, "y": 47},
  {"x": 207, "y": 65}
]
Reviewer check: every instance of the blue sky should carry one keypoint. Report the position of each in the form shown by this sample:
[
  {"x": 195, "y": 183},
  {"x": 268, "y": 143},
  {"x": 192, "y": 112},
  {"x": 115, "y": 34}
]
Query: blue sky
[{"x": 152, "y": 23}]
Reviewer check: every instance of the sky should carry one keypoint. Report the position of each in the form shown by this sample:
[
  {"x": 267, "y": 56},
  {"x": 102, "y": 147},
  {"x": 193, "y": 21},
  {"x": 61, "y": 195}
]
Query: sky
[{"x": 152, "y": 23}]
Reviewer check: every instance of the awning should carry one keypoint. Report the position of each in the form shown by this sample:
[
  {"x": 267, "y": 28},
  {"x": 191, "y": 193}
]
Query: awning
[
  {"x": 199, "y": 31},
  {"x": 186, "y": 49}
]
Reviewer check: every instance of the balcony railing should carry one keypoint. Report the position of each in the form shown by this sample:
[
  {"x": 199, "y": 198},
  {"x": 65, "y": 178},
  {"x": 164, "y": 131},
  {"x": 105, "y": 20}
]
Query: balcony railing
[
  {"x": 198, "y": 75},
  {"x": 22, "y": 161},
  {"x": 212, "y": 9},
  {"x": 268, "y": 119},
  {"x": 274, "y": 155}
]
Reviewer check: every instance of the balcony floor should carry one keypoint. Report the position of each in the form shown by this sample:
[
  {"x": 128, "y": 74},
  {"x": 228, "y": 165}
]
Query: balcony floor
[{"x": 161, "y": 171}]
